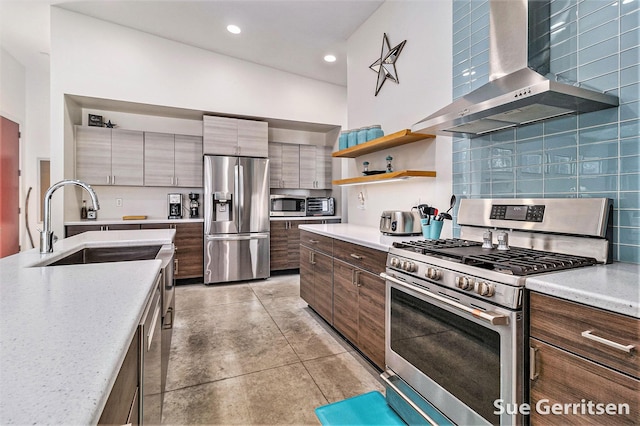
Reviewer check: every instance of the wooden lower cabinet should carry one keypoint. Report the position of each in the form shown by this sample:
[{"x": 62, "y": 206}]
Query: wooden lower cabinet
[
  {"x": 358, "y": 309},
  {"x": 566, "y": 378},
  {"x": 122, "y": 406},
  {"x": 316, "y": 283},
  {"x": 349, "y": 294},
  {"x": 285, "y": 242},
  {"x": 569, "y": 367},
  {"x": 284, "y": 245},
  {"x": 189, "y": 244}
]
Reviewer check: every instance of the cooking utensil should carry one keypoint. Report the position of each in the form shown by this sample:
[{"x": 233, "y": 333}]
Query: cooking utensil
[
  {"x": 424, "y": 210},
  {"x": 446, "y": 215},
  {"x": 451, "y": 203}
]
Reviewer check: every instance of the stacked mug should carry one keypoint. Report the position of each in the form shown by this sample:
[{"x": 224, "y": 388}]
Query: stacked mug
[{"x": 353, "y": 137}]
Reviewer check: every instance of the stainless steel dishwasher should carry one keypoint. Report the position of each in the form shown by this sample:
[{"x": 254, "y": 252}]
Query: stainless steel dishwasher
[{"x": 151, "y": 358}]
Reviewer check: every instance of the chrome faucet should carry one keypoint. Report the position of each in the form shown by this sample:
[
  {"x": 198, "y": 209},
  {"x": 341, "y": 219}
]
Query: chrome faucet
[{"x": 46, "y": 235}]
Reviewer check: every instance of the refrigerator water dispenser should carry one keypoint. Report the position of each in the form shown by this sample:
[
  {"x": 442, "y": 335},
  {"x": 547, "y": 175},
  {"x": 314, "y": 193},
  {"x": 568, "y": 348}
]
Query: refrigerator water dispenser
[{"x": 222, "y": 207}]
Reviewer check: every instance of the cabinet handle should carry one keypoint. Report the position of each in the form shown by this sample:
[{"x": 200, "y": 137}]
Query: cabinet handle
[
  {"x": 176, "y": 180},
  {"x": 108, "y": 180},
  {"x": 624, "y": 348},
  {"x": 356, "y": 280},
  {"x": 169, "y": 325},
  {"x": 312, "y": 258},
  {"x": 113, "y": 180},
  {"x": 314, "y": 241},
  {"x": 533, "y": 371},
  {"x": 355, "y": 256},
  {"x": 175, "y": 266}
]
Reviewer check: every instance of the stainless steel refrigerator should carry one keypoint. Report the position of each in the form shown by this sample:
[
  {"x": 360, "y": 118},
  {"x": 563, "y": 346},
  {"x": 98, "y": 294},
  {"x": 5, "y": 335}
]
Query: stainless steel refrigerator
[{"x": 236, "y": 218}]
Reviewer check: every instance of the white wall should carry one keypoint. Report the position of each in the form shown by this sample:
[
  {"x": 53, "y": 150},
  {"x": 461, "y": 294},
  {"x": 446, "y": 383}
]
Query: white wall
[
  {"x": 424, "y": 74},
  {"x": 93, "y": 58}
]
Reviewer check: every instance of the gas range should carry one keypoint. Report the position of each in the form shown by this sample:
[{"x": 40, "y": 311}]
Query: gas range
[
  {"x": 457, "y": 304},
  {"x": 543, "y": 240}
]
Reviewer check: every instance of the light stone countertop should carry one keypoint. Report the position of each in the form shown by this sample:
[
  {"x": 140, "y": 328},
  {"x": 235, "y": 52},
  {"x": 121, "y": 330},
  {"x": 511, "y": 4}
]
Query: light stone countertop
[
  {"x": 120, "y": 221},
  {"x": 64, "y": 330},
  {"x": 277, "y": 218},
  {"x": 367, "y": 236},
  {"x": 614, "y": 287}
]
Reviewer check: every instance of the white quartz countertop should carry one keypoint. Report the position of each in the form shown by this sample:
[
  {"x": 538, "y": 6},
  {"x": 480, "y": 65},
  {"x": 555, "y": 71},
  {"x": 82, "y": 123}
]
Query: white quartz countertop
[
  {"x": 64, "y": 330},
  {"x": 367, "y": 236},
  {"x": 120, "y": 221},
  {"x": 614, "y": 287},
  {"x": 277, "y": 218}
]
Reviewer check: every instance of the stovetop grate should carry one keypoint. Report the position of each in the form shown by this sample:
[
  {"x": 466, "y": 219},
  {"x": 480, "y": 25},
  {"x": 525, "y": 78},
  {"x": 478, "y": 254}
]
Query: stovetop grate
[{"x": 515, "y": 261}]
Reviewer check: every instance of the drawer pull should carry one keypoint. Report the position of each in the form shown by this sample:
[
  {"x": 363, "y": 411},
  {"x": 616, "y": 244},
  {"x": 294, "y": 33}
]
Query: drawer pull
[
  {"x": 587, "y": 334},
  {"x": 533, "y": 371},
  {"x": 314, "y": 241},
  {"x": 355, "y": 256}
]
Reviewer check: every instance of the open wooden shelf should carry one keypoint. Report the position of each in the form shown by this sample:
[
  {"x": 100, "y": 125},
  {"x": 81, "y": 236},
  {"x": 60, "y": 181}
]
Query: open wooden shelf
[
  {"x": 395, "y": 139},
  {"x": 401, "y": 174}
]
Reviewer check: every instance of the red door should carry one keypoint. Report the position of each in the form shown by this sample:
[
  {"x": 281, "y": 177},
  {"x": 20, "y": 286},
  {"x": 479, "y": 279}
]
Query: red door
[{"x": 9, "y": 187}]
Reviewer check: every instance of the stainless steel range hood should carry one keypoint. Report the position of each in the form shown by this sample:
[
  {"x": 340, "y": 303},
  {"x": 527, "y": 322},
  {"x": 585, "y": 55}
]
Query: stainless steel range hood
[{"x": 518, "y": 92}]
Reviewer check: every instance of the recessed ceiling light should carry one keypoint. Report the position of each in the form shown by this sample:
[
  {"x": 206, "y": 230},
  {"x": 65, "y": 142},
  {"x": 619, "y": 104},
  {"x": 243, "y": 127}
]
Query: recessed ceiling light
[
  {"x": 234, "y": 29},
  {"x": 330, "y": 58}
]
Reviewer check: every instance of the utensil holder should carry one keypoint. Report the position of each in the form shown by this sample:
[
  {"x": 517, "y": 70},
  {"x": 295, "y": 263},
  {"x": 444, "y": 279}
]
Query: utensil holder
[
  {"x": 432, "y": 230},
  {"x": 426, "y": 229},
  {"x": 435, "y": 229}
]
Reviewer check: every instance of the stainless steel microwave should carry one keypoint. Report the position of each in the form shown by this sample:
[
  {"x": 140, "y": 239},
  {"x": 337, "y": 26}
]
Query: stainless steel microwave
[{"x": 287, "y": 205}]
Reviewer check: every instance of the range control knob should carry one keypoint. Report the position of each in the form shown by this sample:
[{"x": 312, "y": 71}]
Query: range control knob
[
  {"x": 465, "y": 283},
  {"x": 410, "y": 266},
  {"x": 394, "y": 262},
  {"x": 433, "y": 274},
  {"x": 483, "y": 288}
]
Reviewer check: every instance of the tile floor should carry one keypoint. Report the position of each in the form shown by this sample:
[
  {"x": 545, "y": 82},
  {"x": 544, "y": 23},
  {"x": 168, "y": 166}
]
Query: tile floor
[{"x": 254, "y": 353}]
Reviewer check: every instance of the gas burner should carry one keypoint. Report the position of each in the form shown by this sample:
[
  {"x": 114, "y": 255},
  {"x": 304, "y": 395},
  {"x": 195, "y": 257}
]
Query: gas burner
[
  {"x": 516, "y": 261},
  {"x": 426, "y": 246}
]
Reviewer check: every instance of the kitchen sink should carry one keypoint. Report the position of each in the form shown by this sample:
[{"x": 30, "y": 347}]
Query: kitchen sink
[{"x": 108, "y": 254}]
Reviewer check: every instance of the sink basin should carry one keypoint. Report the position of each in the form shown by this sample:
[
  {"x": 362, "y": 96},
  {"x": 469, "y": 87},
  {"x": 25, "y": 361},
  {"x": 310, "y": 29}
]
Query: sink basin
[{"x": 108, "y": 254}]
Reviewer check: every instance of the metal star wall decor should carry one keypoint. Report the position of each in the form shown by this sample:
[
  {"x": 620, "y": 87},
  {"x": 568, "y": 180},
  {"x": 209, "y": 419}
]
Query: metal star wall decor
[{"x": 386, "y": 65}]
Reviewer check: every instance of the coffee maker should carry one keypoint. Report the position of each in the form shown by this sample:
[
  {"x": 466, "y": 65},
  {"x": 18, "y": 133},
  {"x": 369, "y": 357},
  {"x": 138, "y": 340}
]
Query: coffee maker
[
  {"x": 175, "y": 206},
  {"x": 194, "y": 205}
]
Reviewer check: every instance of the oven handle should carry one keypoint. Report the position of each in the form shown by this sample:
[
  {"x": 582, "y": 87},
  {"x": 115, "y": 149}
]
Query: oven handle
[
  {"x": 494, "y": 319},
  {"x": 385, "y": 376}
]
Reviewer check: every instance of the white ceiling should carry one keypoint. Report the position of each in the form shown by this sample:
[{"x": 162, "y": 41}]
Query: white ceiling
[{"x": 289, "y": 35}]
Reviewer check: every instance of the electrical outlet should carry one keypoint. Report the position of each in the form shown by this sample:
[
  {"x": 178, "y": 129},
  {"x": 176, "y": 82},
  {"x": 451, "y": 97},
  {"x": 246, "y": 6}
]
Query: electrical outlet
[
  {"x": 118, "y": 202},
  {"x": 361, "y": 201}
]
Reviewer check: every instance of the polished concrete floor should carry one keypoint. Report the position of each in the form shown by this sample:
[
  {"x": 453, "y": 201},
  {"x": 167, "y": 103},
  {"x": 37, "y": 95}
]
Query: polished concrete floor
[{"x": 254, "y": 353}]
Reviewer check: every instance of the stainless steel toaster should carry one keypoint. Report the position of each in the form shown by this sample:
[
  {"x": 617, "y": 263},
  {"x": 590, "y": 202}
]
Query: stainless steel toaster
[{"x": 396, "y": 222}]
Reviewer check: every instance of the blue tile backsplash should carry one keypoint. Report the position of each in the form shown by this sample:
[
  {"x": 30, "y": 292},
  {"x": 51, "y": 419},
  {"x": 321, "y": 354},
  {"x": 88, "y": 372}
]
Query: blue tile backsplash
[{"x": 596, "y": 44}]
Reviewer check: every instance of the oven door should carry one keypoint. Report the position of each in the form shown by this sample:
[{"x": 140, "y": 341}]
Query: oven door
[{"x": 461, "y": 354}]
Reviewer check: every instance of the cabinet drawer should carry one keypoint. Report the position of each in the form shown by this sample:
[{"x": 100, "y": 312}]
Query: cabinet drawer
[
  {"x": 581, "y": 329},
  {"x": 565, "y": 378},
  {"x": 363, "y": 257},
  {"x": 316, "y": 241}
]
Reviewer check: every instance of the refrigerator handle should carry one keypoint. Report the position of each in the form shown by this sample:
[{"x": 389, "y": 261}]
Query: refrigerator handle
[
  {"x": 240, "y": 190},
  {"x": 238, "y": 196}
]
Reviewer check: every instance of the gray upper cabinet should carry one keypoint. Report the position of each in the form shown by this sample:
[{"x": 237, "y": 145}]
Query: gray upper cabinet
[
  {"x": 284, "y": 159},
  {"x": 253, "y": 137},
  {"x": 159, "y": 159},
  {"x": 231, "y": 136},
  {"x": 172, "y": 160},
  {"x": 188, "y": 160},
  {"x": 315, "y": 167},
  {"x": 109, "y": 156}
]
